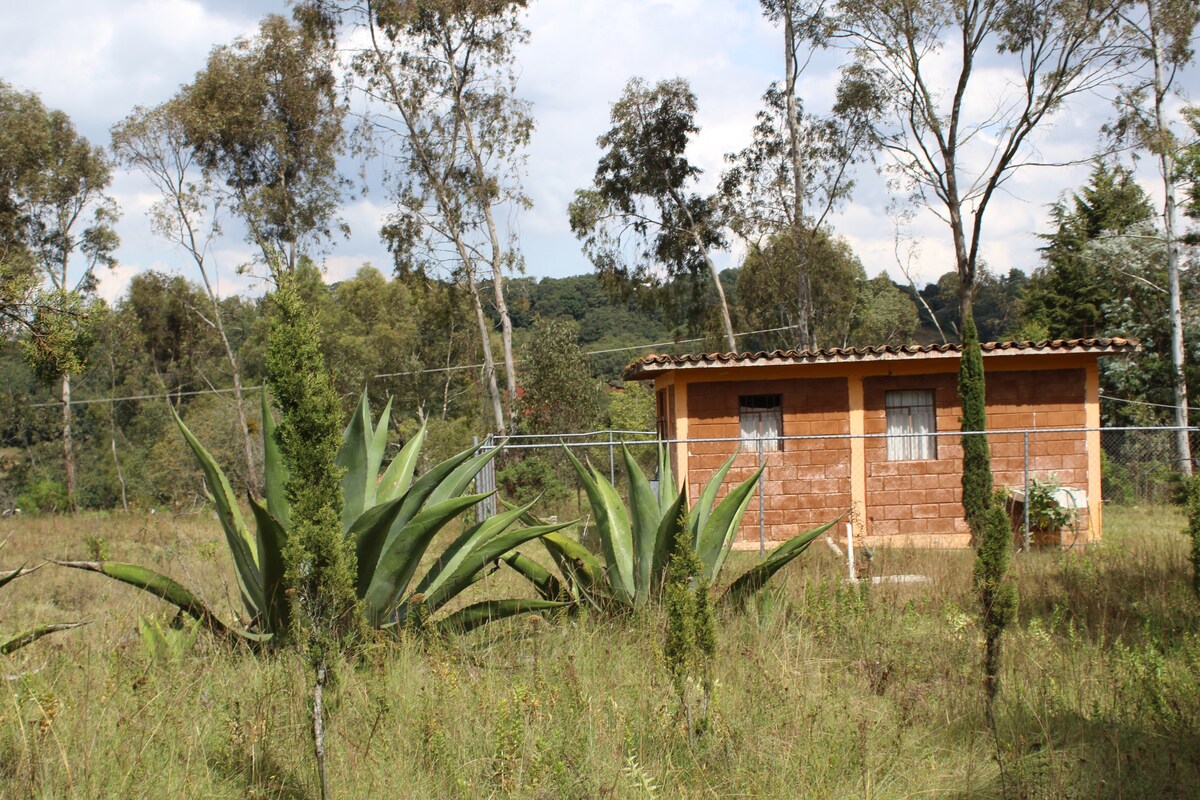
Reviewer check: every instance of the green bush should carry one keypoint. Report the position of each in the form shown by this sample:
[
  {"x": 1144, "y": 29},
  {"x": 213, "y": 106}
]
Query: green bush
[
  {"x": 531, "y": 478},
  {"x": 43, "y": 496}
]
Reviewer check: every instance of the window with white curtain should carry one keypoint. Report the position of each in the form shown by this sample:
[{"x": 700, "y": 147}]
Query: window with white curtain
[
  {"x": 762, "y": 421},
  {"x": 911, "y": 423}
]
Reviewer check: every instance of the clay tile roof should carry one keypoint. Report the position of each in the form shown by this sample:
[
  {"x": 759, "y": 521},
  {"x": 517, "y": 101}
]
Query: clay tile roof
[{"x": 649, "y": 366}]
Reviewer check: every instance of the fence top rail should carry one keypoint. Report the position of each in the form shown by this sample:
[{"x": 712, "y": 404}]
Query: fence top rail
[{"x": 560, "y": 440}]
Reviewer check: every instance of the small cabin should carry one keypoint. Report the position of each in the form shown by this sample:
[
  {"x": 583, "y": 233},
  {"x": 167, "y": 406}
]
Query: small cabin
[{"x": 873, "y": 431}]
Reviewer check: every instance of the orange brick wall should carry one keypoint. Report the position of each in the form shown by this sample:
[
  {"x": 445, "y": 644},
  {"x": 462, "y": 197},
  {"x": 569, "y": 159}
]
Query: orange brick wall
[
  {"x": 808, "y": 482},
  {"x": 920, "y": 502}
]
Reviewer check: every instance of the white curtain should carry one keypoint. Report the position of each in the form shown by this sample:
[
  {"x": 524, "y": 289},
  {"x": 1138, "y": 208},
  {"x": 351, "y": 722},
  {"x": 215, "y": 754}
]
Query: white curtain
[
  {"x": 911, "y": 422},
  {"x": 761, "y": 423}
]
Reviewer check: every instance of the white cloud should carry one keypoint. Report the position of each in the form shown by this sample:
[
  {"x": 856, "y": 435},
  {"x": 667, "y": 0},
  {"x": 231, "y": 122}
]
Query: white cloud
[{"x": 97, "y": 60}]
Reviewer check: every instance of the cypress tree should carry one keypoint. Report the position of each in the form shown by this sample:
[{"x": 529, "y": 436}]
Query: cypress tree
[
  {"x": 977, "y": 464},
  {"x": 691, "y": 642},
  {"x": 320, "y": 561},
  {"x": 997, "y": 594}
]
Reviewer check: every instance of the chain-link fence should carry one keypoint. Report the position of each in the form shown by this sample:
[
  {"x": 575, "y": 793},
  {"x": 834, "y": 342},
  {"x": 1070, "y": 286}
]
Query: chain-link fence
[{"x": 894, "y": 488}]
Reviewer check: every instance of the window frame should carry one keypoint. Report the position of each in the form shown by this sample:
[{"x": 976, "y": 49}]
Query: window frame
[
  {"x": 760, "y": 408},
  {"x": 905, "y": 442}
]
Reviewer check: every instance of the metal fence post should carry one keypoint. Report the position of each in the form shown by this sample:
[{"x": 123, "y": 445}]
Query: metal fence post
[
  {"x": 1025, "y": 435},
  {"x": 762, "y": 517},
  {"x": 612, "y": 469}
]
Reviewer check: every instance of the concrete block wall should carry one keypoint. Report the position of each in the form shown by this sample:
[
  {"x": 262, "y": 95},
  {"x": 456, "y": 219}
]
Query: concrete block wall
[
  {"x": 920, "y": 502},
  {"x": 807, "y": 483}
]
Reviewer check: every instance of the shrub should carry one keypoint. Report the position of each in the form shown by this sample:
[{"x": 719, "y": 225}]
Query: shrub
[{"x": 43, "y": 496}]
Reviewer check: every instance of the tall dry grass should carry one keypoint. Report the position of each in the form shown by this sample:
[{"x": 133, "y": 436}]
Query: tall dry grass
[{"x": 825, "y": 689}]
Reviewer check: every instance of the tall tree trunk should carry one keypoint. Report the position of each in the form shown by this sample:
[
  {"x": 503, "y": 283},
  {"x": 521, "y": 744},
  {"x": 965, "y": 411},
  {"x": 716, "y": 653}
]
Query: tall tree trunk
[
  {"x": 483, "y": 198},
  {"x": 730, "y": 339},
  {"x": 1166, "y": 160},
  {"x": 791, "y": 70},
  {"x": 68, "y": 448},
  {"x": 485, "y": 336}
]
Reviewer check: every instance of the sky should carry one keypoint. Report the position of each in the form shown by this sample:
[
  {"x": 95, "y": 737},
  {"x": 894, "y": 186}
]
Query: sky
[{"x": 97, "y": 60}]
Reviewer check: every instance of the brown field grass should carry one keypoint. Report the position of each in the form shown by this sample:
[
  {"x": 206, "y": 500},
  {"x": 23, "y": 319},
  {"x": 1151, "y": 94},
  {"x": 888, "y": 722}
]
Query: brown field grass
[{"x": 825, "y": 689}]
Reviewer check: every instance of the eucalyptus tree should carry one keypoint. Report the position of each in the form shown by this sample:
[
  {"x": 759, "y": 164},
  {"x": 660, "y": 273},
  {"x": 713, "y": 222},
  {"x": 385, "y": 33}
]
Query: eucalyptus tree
[
  {"x": 53, "y": 209},
  {"x": 265, "y": 119},
  {"x": 442, "y": 80},
  {"x": 797, "y": 169},
  {"x": 642, "y": 222},
  {"x": 1161, "y": 36},
  {"x": 154, "y": 142},
  {"x": 926, "y": 61},
  {"x": 929, "y": 60}
]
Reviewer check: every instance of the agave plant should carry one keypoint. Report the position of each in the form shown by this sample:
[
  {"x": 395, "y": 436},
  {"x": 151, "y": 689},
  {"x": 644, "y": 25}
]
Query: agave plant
[
  {"x": 391, "y": 517},
  {"x": 14, "y": 643},
  {"x": 636, "y": 540}
]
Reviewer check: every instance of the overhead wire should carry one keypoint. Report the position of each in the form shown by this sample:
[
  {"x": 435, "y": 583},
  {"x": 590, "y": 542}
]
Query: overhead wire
[{"x": 194, "y": 392}]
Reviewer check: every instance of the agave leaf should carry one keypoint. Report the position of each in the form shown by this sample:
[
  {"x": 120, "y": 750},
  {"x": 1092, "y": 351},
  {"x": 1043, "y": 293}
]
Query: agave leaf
[
  {"x": 375, "y": 454},
  {"x": 403, "y": 554},
  {"x": 398, "y": 476},
  {"x": 668, "y": 531},
  {"x": 241, "y": 545},
  {"x": 716, "y": 538},
  {"x": 757, "y": 576},
  {"x": 158, "y": 585},
  {"x": 471, "y": 538},
  {"x": 272, "y": 538},
  {"x": 666, "y": 481},
  {"x": 370, "y": 533},
  {"x": 275, "y": 472},
  {"x": 708, "y": 496},
  {"x": 616, "y": 538},
  {"x": 16, "y": 573},
  {"x": 462, "y": 575},
  {"x": 548, "y": 586},
  {"x": 478, "y": 614},
  {"x": 582, "y": 569},
  {"x": 644, "y": 509},
  {"x": 420, "y": 494},
  {"x": 352, "y": 457},
  {"x": 33, "y": 634},
  {"x": 462, "y": 475}
]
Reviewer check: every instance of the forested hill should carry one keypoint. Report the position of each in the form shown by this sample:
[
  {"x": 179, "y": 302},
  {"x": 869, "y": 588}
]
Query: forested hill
[{"x": 416, "y": 341}]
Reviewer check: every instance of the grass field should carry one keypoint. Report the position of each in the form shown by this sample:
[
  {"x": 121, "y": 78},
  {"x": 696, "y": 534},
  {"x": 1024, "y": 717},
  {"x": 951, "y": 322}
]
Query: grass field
[{"x": 824, "y": 690}]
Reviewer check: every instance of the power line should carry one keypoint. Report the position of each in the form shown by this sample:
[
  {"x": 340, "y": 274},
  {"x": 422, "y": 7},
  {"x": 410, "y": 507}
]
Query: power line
[
  {"x": 158, "y": 396},
  {"x": 194, "y": 392},
  {"x": 1143, "y": 402},
  {"x": 586, "y": 353}
]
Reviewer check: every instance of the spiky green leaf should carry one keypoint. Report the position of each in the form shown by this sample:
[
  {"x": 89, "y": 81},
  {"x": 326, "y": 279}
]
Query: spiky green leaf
[
  {"x": 33, "y": 634},
  {"x": 646, "y": 515},
  {"x": 398, "y": 476},
  {"x": 470, "y": 539},
  {"x": 272, "y": 539},
  {"x": 613, "y": 527},
  {"x": 721, "y": 527},
  {"x": 403, "y": 554},
  {"x": 708, "y": 496},
  {"x": 473, "y": 616},
  {"x": 757, "y": 576},
  {"x": 237, "y": 536},
  {"x": 158, "y": 585},
  {"x": 353, "y": 458},
  {"x": 275, "y": 472},
  {"x": 460, "y": 577},
  {"x": 548, "y": 586}
]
